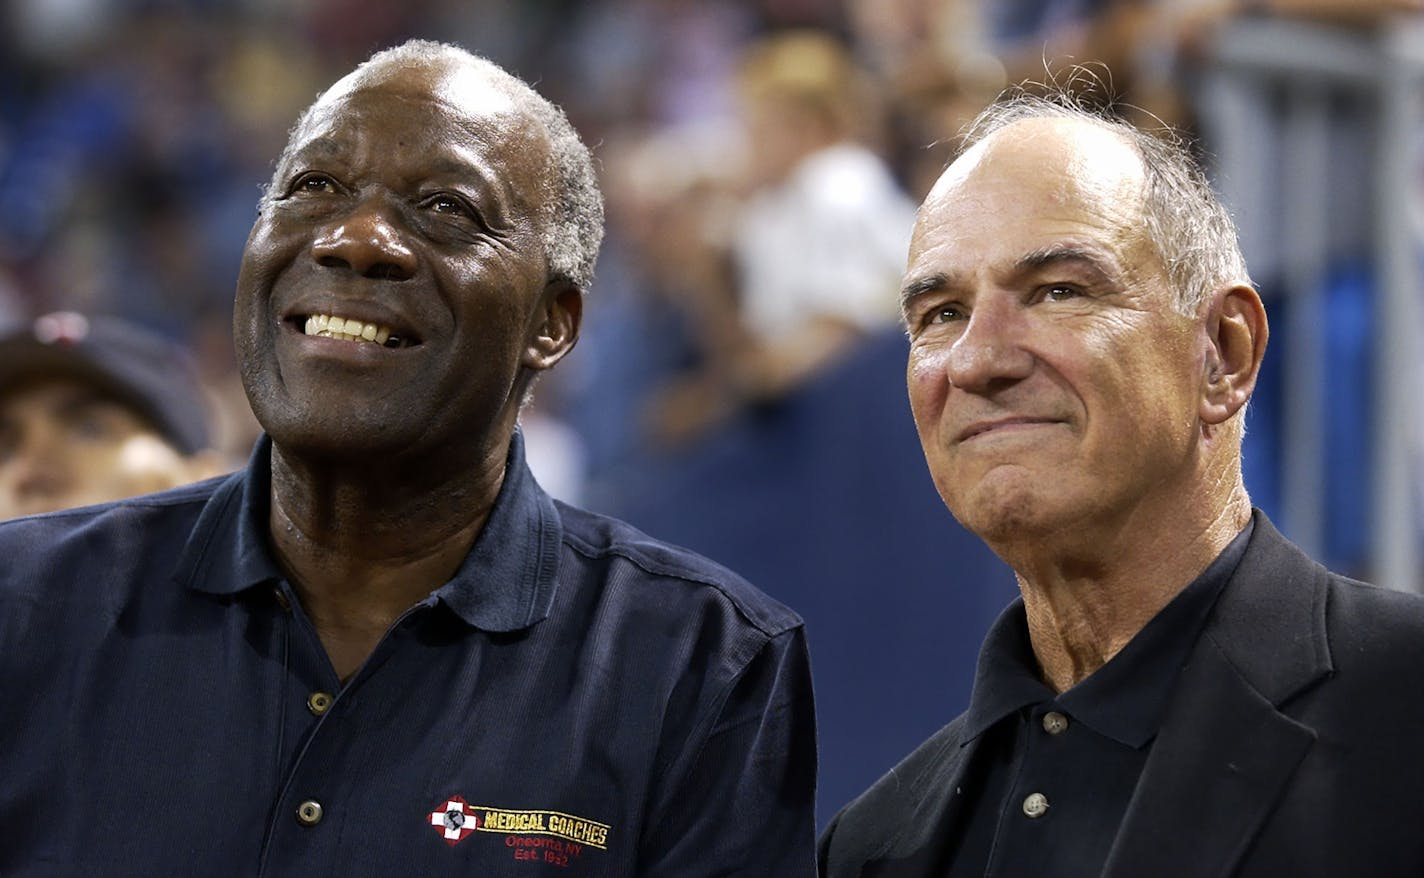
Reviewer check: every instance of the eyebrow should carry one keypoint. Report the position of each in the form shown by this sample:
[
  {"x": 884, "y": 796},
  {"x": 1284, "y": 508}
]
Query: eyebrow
[
  {"x": 1088, "y": 258},
  {"x": 496, "y": 192},
  {"x": 928, "y": 283},
  {"x": 921, "y": 286}
]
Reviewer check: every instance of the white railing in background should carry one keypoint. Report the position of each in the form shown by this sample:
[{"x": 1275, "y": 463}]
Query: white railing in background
[{"x": 1270, "y": 107}]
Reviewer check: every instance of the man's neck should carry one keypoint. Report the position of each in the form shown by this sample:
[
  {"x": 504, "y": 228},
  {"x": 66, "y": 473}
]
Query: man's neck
[
  {"x": 1084, "y": 606},
  {"x": 361, "y": 545}
]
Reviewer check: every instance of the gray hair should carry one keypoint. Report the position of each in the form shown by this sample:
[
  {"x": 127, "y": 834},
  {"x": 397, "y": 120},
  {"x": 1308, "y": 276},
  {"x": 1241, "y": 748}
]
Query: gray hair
[
  {"x": 572, "y": 224},
  {"x": 1184, "y": 219}
]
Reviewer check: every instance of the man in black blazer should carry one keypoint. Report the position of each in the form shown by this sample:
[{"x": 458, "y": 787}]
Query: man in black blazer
[{"x": 1179, "y": 691}]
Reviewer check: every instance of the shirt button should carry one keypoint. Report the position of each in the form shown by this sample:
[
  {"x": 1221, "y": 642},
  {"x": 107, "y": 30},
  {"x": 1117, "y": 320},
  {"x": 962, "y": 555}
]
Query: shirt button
[
  {"x": 318, "y": 702},
  {"x": 1055, "y": 723},
  {"x": 1036, "y": 805},
  {"x": 309, "y": 812},
  {"x": 281, "y": 599}
]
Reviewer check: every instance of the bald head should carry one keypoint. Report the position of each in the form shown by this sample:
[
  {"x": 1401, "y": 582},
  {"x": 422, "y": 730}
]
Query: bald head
[
  {"x": 1073, "y": 152},
  {"x": 444, "y": 73}
]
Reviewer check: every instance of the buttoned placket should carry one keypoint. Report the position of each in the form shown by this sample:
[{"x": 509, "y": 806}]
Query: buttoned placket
[
  {"x": 305, "y": 819},
  {"x": 1046, "y": 724},
  {"x": 1029, "y": 803}
]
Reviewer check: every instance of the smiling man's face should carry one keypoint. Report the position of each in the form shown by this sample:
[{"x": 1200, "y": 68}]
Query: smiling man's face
[
  {"x": 1054, "y": 383},
  {"x": 396, "y": 279}
]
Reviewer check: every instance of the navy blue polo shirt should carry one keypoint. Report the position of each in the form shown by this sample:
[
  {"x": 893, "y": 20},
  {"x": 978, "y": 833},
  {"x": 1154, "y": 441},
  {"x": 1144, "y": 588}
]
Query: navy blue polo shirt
[
  {"x": 578, "y": 700},
  {"x": 1051, "y": 780}
]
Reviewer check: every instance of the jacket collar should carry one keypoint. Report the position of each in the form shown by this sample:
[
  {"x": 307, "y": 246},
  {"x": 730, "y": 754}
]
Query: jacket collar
[
  {"x": 506, "y": 582},
  {"x": 1226, "y": 751}
]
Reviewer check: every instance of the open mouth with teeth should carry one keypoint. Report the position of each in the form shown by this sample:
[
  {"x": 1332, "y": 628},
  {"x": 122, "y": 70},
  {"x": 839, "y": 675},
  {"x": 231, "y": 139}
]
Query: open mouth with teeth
[{"x": 347, "y": 329}]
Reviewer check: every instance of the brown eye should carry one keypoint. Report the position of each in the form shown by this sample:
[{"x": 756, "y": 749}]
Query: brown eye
[
  {"x": 1060, "y": 292},
  {"x": 452, "y": 205},
  {"x": 946, "y": 314},
  {"x": 314, "y": 184}
]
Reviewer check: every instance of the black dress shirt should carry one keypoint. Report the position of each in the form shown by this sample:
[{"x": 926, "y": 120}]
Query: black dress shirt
[{"x": 1050, "y": 783}]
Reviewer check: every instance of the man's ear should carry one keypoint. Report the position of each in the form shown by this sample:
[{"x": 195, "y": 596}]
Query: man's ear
[
  {"x": 557, "y": 326},
  {"x": 1236, "y": 331}
]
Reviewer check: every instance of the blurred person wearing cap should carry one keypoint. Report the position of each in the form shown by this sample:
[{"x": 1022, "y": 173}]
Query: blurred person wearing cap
[
  {"x": 94, "y": 409},
  {"x": 381, "y": 648}
]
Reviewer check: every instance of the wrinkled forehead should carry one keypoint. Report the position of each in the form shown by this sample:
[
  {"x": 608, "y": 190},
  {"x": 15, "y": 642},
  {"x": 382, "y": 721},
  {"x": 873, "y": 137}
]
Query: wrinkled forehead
[{"x": 441, "y": 110}]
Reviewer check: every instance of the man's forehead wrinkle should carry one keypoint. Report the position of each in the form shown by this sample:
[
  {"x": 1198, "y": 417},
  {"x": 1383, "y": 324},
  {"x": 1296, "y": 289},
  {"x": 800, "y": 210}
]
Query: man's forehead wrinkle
[
  {"x": 320, "y": 146},
  {"x": 1069, "y": 252},
  {"x": 1072, "y": 171}
]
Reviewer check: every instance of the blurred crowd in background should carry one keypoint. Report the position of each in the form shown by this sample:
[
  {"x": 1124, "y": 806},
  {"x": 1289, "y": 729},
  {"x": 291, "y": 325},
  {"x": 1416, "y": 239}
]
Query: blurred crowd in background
[
  {"x": 135, "y": 135},
  {"x": 738, "y": 384}
]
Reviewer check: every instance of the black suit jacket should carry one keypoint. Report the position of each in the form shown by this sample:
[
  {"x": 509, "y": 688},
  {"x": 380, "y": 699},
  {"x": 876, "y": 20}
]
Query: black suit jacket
[{"x": 1293, "y": 746}]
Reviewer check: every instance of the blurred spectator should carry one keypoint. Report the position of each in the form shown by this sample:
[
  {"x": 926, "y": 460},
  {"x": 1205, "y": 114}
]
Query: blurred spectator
[
  {"x": 555, "y": 453},
  {"x": 664, "y": 303},
  {"x": 93, "y": 410},
  {"x": 821, "y": 242},
  {"x": 817, "y": 247}
]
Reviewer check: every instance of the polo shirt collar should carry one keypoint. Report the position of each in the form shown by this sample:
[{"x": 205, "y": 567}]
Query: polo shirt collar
[
  {"x": 1127, "y": 697},
  {"x": 1006, "y": 678},
  {"x": 506, "y": 582}
]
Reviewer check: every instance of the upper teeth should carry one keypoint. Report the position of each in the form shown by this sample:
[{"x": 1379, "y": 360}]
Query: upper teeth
[{"x": 328, "y": 326}]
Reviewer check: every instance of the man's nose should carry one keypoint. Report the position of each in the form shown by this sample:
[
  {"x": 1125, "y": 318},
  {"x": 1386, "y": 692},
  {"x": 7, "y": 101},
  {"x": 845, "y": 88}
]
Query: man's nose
[
  {"x": 990, "y": 352},
  {"x": 370, "y": 240}
]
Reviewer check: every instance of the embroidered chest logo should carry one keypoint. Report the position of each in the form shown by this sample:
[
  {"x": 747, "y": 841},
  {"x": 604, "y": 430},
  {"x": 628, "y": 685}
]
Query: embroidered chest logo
[
  {"x": 456, "y": 820},
  {"x": 551, "y": 837}
]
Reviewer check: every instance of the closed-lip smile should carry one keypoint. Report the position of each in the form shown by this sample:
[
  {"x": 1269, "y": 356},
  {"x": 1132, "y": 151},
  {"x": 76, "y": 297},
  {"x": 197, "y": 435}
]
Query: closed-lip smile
[{"x": 979, "y": 428}]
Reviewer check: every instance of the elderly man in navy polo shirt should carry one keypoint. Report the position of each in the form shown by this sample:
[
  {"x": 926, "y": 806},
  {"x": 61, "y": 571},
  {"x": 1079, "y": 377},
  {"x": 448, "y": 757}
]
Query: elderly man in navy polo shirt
[{"x": 381, "y": 649}]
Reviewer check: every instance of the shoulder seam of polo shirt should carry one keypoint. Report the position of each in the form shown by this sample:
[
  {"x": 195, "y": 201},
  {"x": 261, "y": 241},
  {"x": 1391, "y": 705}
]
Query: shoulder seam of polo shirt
[{"x": 630, "y": 551}]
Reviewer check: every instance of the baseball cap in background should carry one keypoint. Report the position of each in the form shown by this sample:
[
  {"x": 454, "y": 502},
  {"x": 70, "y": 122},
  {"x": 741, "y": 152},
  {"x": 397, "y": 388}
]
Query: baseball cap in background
[{"x": 136, "y": 367}]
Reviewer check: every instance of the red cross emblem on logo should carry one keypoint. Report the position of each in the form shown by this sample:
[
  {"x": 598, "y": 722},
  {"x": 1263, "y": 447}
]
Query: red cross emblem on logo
[{"x": 455, "y": 820}]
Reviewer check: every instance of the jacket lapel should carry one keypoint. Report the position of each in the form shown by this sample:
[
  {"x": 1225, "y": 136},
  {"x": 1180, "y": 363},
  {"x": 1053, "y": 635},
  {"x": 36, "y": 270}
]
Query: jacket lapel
[
  {"x": 1214, "y": 774},
  {"x": 1225, "y": 752},
  {"x": 916, "y": 849}
]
